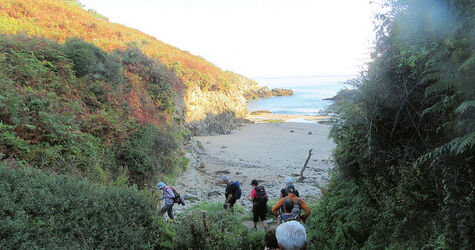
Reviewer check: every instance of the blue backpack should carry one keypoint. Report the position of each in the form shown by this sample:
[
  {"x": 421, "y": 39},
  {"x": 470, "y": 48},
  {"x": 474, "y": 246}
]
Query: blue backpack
[{"x": 238, "y": 191}]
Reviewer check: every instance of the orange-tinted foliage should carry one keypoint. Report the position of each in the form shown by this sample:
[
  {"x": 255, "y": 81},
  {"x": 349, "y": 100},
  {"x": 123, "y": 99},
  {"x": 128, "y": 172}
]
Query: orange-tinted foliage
[{"x": 60, "y": 20}]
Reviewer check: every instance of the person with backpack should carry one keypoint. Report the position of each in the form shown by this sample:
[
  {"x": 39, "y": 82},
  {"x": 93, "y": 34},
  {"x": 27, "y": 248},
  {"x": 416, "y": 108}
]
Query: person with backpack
[
  {"x": 259, "y": 199},
  {"x": 299, "y": 204},
  {"x": 287, "y": 215},
  {"x": 169, "y": 198},
  {"x": 232, "y": 193},
  {"x": 289, "y": 187}
]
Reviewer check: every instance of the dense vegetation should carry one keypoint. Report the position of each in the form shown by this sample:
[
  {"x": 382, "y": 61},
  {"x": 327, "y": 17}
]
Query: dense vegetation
[
  {"x": 77, "y": 109},
  {"x": 60, "y": 212},
  {"x": 405, "y": 174},
  {"x": 56, "y": 211}
]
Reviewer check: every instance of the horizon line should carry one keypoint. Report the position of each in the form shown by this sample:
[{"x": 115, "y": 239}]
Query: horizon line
[{"x": 299, "y": 76}]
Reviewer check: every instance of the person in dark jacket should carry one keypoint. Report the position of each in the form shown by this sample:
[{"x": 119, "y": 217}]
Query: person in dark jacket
[
  {"x": 230, "y": 193},
  {"x": 258, "y": 197}
]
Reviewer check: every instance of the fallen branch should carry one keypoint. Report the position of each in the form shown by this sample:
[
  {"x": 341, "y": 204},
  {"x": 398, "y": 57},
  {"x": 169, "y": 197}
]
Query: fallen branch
[{"x": 305, "y": 165}]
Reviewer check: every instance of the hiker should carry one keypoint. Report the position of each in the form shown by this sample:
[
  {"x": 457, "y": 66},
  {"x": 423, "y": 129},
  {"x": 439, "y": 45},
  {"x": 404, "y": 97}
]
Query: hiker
[
  {"x": 287, "y": 215},
  {"x": 289, "y": 186},
  {"x": 291, "y": 236},
  {"x": 299, "y": 204},
  {"x": 169, "y": 198},
  {"x": 259, "y": 199},
  {"x": 270, "y": 241},
  {"x": 232, "y": 193}
]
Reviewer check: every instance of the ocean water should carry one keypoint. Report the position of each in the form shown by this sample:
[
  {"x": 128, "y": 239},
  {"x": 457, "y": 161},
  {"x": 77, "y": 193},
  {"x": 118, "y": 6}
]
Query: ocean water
[{"x": 309, "y": 92}]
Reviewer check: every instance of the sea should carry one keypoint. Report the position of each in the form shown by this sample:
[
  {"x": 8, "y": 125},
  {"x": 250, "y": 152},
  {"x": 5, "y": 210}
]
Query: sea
[{"x": 309, "y": 92}]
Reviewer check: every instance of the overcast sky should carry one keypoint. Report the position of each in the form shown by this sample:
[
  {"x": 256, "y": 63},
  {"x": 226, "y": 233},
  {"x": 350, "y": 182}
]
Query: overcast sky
[{"x": 256, "y": 38}]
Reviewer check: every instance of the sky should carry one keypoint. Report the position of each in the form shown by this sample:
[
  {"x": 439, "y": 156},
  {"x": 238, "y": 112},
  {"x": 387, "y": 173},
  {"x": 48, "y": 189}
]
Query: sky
[{"x": 257, "y": 38}]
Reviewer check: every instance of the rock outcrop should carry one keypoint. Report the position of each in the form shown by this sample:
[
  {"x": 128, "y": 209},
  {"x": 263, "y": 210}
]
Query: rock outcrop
[
  {"x": 250, "y": 89},
  {"x": 213, "y": 112},
  {"x": 265, "y": 92},
  {"x": 218, "y": 112}
]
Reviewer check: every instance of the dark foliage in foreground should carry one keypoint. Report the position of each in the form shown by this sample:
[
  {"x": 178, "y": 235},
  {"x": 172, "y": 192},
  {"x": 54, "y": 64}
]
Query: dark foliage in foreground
[
  {"x": 38, "y": 210},
  {"x": 405, "y": 174}
]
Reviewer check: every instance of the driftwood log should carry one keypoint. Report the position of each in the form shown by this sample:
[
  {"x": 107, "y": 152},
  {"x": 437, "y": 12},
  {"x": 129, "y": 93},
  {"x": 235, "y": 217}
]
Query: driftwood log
[{"x": 305, "y": 165}]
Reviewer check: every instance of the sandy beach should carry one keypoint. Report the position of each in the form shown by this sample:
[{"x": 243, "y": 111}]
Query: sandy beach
[
  {"x": 267, "y": 152},
  {"x": 263, "y": 117}
]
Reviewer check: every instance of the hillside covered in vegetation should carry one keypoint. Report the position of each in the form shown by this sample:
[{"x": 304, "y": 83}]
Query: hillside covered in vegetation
[{"x": 76, "y": 109}]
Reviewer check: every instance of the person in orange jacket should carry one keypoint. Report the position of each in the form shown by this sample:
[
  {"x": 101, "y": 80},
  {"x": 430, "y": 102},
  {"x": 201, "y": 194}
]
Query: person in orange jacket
[{"x": 297, "y": 202}]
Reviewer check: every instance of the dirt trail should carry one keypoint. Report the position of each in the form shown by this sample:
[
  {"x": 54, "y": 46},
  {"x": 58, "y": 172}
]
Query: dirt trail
[{"x": 267, "y": 152}]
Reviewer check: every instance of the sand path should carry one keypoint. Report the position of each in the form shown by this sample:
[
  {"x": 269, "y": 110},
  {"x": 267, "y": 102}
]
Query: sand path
[{"x": 264, "y": 151}]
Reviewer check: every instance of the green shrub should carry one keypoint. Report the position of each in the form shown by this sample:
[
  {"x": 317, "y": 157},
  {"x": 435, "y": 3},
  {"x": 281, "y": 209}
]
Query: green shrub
[
  {"x": 40, "y": 210},
  {"x": 90, "y": 60},
  {"x": 209, "y": 226},
  {"x": 152, "y": 152},
  {"x": 44, "y": 210}
]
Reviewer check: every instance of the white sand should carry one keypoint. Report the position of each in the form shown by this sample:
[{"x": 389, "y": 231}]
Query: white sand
[{"x": 265, "y": 151}]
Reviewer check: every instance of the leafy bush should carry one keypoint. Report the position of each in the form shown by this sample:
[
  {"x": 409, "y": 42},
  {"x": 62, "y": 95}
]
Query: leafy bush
[
  {"x": 40, "y": 210},
  {"x": 90, "y": 60},
  {"x": 151, "y": 152},
  {"x": 209, "y": 226}
]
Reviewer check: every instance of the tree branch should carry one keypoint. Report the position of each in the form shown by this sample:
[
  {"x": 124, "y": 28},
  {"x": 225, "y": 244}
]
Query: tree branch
[{"x": 305, "y": 165}]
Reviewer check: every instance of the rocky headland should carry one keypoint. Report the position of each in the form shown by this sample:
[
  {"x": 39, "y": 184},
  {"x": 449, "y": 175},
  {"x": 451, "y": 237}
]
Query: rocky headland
[{"x": 265, "y": 92}]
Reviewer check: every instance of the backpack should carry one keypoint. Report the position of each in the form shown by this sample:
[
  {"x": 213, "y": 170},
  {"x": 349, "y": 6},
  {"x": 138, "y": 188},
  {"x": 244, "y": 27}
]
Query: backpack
[
  {"x": 288, "y": 190},
  {"x": 284, "y": 218},
  {"x": 296, "y": 209},
  {"x": 238, "y": 193},
  {"x": 178, "y": 199},
  {"x": 261, "y": 194}
]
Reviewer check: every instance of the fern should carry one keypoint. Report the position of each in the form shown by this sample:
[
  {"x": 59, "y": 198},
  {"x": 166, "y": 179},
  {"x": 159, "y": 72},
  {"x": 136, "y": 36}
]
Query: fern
[
  {"x": 440, "y": 86},
  {"x": 445, "y": 104},
  {"x": 456, "y": 146},
  {"x": 469, "y": 63},
  {"x": 467, "y": 141},
  {"x": 432, "y": 77},
  {"x": 433, "y": 155},
  {"x": 465, "y": 106}
]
